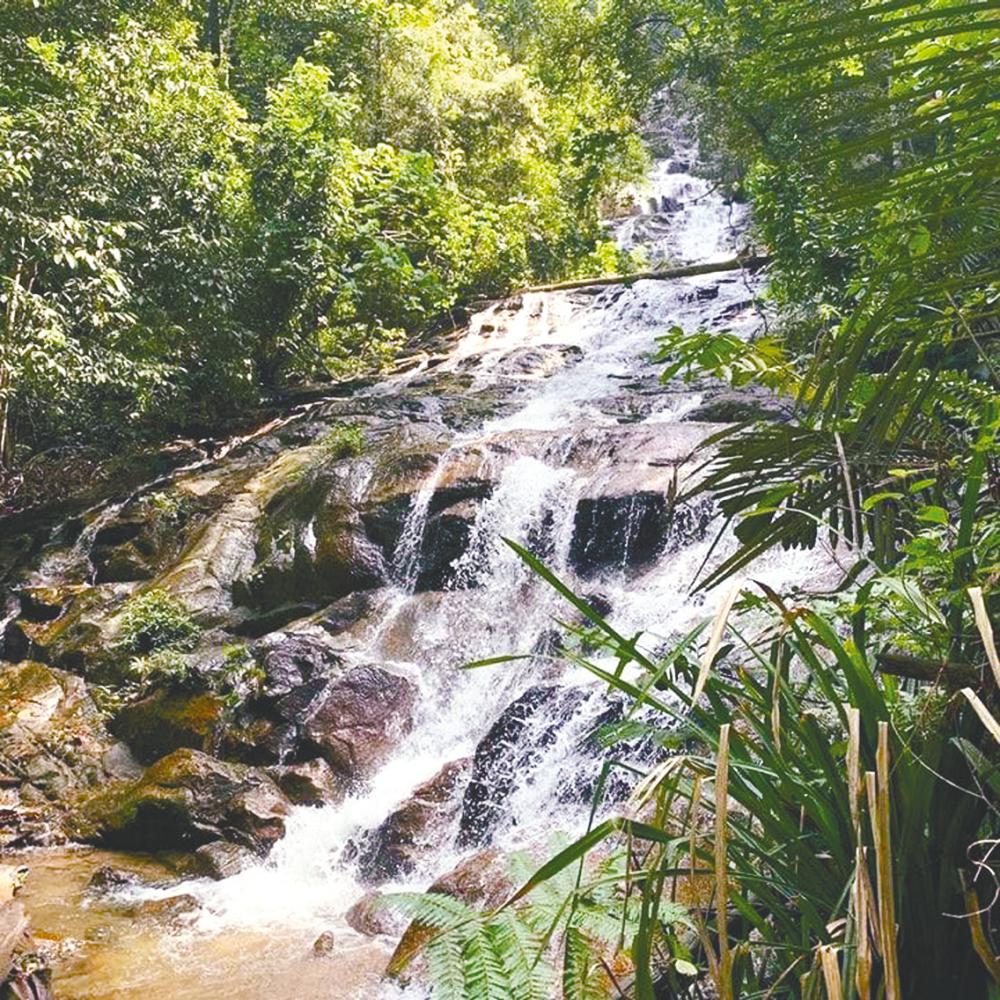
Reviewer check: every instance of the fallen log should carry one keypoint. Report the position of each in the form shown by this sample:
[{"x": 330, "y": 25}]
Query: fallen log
[
  {"x": 663, "y": 274},
  {"x": 935, "y": 671}
]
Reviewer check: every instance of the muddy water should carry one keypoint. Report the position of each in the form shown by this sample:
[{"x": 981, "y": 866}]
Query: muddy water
[{"x": 103, "y": 948}]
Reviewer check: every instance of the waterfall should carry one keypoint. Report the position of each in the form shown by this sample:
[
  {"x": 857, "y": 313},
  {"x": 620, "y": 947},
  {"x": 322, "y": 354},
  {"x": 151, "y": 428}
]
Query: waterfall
[{"x": 590, "y": 434}]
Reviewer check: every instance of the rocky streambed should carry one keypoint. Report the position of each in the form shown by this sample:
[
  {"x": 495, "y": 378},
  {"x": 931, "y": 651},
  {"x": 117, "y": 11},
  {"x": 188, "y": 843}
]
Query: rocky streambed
[{"x": 243, "y": 673}]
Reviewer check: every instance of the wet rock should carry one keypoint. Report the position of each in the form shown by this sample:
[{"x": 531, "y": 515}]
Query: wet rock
[
  {"x": 168, "y": 721},
  {"x": 312, "y": 783},
  {"x": 670, "y": 205},
  {"x": 413, "y": 829},
  {"x": 172, "y": 909},
  {"x": 347, "y": 611},
  {"x": 185, "y": 800},
  {"x": 616, "y": 532},
  {"x": 451, "y": 513},
  {"x": 289, "y": 660},
  {"x": 354, "y": 722},
  {"x": 258, "y": 739},
  {"x": 107, "y": 878},
  {"x": 118, "y": 531},
  {"x": 513, "y": 745},
  {"x": 123, "y": 564},
  {"x": 481, "y": 880},
  {"x": 446, "y": 537},
  {"x": 220, "y": 859},
  {"x": 78, "y": 639},
  {"x": 255, "y": 624},
  {"x": 44, "y": 604},
  {"x": 734, "y": 408},
  {"x": 325, "y": 945},
  {"x": 371, "y": 917},
  {"x": 53, "y": 746}
]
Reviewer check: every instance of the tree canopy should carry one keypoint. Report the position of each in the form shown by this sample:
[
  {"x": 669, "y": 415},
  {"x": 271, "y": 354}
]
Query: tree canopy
[{"x": 200, "y": 201}]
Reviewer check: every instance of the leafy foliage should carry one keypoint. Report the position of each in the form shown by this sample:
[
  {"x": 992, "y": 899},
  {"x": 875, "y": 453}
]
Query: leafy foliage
[
  {"x": 578, "y": 919},
  {"x": 799, "y": 852},
  {"x": 199, "y": 201},
  {"x": 154, "y": 621},
  {"x": 866, "y": 137}
]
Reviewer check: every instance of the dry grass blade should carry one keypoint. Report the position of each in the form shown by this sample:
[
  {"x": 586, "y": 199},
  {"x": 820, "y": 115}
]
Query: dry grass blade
[
  {"x": 878, "y": 791},
  {"x": 725, "y": 979},
  {"x": 646, "y": 788},
  {"x": 863, "y": 904},
  {"x": 979, "y": 940},
  {"x": 854, "y": 768},
  {"x": 776, "y": 710},
  {"x": 988, "y": 720},
  {"x": 831, "y": 972},
  {"x": 985, "y": 627},
  {"x": 715, "y": 640}
]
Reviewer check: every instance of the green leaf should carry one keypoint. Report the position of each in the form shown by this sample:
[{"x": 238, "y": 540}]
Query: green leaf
[{"x": 933, "y": 515}]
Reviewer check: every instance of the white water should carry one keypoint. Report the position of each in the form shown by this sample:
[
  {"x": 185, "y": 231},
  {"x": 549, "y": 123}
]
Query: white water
[{"x": 579, "y": 430}]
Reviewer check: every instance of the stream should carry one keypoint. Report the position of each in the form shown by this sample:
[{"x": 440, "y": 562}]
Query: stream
[{"x": 578, "y": 459}]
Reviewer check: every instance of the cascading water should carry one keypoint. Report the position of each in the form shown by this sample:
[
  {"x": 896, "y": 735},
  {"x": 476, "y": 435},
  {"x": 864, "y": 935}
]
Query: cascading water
[
  {"x": 577, "y": 467},
  {"x": 494, "y": 605}
]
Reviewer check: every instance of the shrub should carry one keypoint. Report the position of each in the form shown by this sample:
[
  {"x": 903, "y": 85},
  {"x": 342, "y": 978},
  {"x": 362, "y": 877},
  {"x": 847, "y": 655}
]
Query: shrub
[
  {"x": 344, "y": 441},
  {"x": 156, "y": 621}
]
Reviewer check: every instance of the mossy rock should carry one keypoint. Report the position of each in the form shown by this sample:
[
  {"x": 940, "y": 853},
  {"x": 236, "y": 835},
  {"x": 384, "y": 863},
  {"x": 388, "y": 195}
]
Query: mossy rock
[
  {"x": 184, "y": 800},
  {"x": 168, "y": 721}
]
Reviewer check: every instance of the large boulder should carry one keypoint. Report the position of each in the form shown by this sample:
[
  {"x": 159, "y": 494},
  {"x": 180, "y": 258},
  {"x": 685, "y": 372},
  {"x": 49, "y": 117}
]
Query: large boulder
[
  {"x": 169, "y": 720},
  {"x": 296, "y": 667},
  {"x": 221, "y": 859},
  {"x": 617, "y": 532},
  {"x": 53, "y": 745},
  {"x": 415, "y": 827},
  {"x": 355, "y": 721},
  {"x": 290, "y": 659},
  {"x": 513, "y": 746},
  {"x": 185, "y": 800},
  {"x": 482, "y": 880},
  {"x": 311, "y": 783}
]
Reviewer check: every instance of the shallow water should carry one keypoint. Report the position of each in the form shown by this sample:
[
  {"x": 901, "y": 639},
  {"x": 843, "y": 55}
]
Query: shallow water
[{"x": 101, "y": 950}]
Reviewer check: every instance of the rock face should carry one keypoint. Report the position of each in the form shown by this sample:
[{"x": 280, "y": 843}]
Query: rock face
[
  {"x": 311, "y": 545},
  {"x": 185, "y": 800},
  {"x": 413, "y": 829},
  {"x": 355, "y": 721},
  {"x": 53, "y": 746}
]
